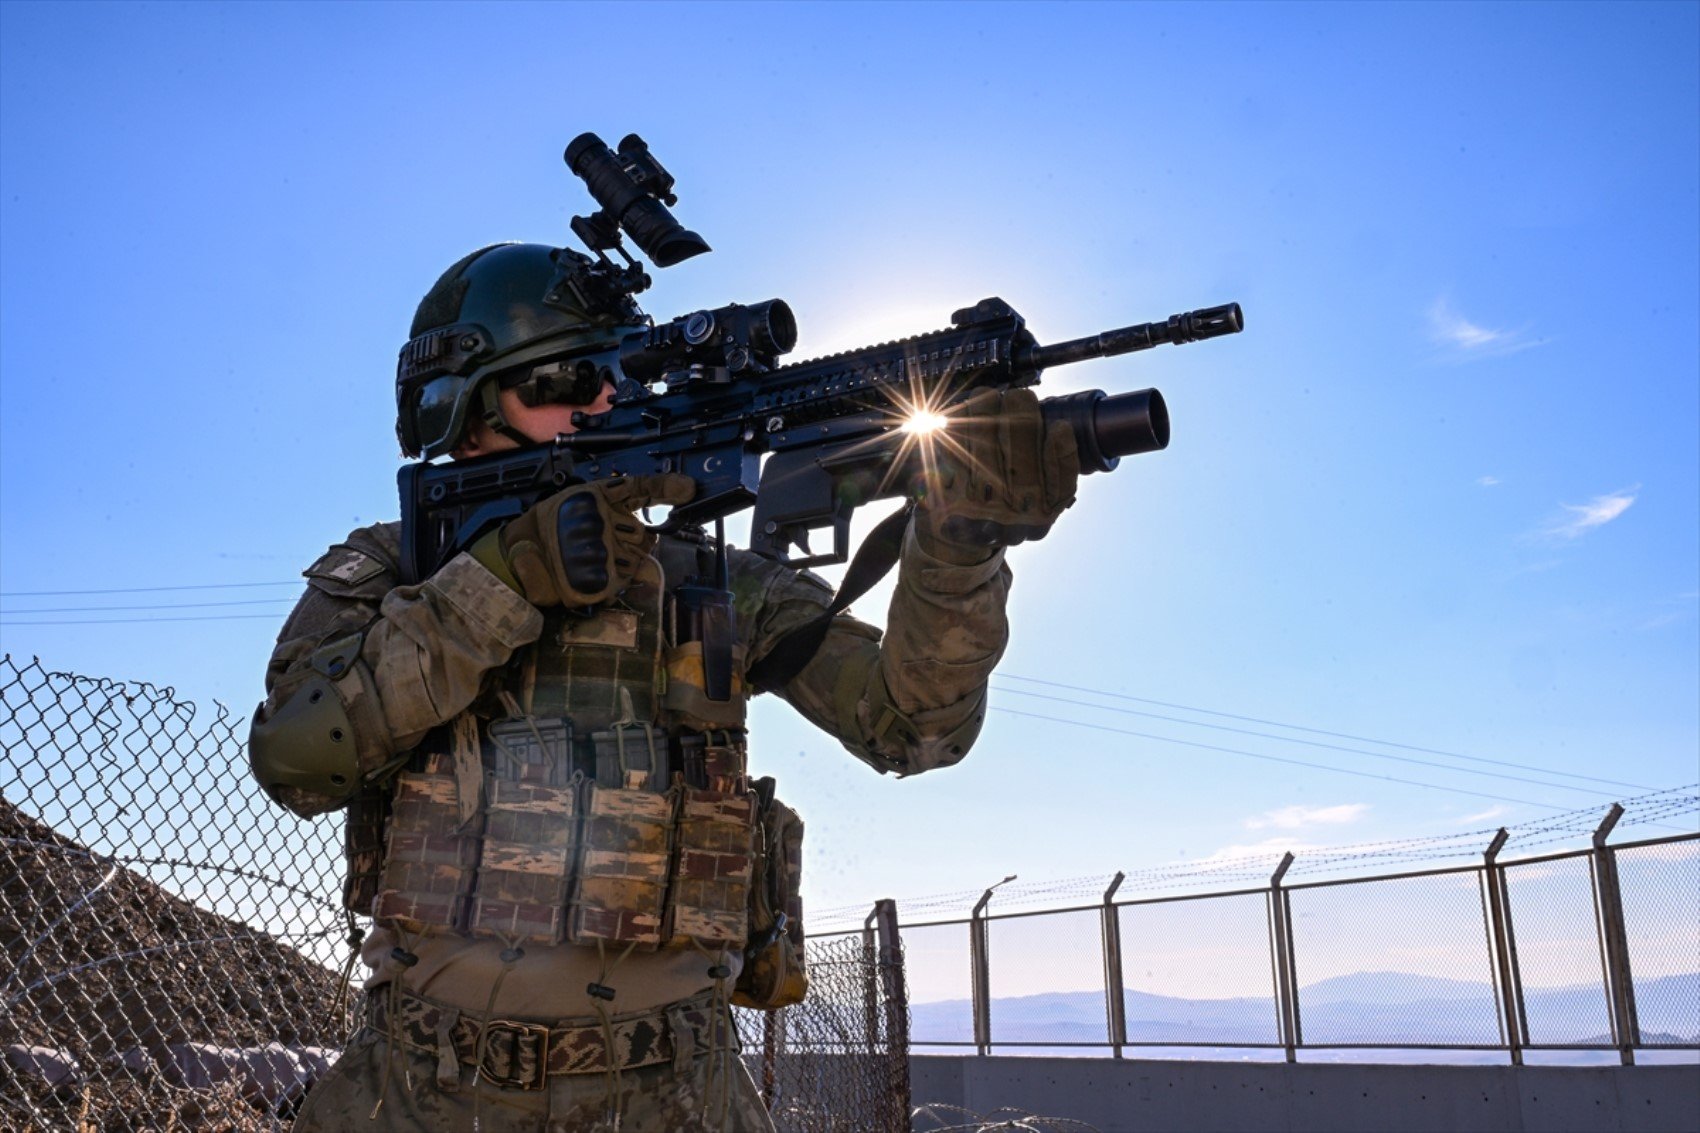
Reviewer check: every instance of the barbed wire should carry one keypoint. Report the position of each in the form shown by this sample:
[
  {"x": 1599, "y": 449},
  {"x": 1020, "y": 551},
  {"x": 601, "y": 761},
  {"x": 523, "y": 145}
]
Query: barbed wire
[
  {"x": 1254, "y": 870},
  {"x": 937, "y": 1117}
]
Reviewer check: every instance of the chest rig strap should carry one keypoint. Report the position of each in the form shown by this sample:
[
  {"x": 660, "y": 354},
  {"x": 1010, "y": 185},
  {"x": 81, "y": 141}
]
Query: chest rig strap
[
  {"x": 873, "y": 560},
  {"x": 705, "y": 615}
]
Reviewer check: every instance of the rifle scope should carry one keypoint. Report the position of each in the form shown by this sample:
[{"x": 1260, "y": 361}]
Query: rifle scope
[
  {"x": 734, "y": 337},
  {"x": 634, "y": 192}
]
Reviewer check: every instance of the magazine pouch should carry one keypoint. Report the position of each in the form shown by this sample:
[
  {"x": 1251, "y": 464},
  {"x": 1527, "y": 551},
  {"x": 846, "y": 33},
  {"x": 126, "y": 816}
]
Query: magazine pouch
[
  {"x": 623, "y": 848},
  {"x": 530, "y": 840},
  {"x": 430, "y": 860}
]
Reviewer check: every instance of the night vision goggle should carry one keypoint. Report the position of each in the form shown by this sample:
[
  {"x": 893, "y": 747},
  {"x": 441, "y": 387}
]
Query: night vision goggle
[{"x": 436, "y": 369}]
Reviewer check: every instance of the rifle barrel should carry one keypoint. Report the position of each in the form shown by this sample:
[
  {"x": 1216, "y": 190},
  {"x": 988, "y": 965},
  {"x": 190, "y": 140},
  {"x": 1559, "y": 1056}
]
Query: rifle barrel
[{"x": 1189, "y": 326}]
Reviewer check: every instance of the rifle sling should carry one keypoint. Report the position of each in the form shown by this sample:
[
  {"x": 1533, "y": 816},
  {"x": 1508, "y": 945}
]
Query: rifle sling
[{"x": 872, "y": 561}]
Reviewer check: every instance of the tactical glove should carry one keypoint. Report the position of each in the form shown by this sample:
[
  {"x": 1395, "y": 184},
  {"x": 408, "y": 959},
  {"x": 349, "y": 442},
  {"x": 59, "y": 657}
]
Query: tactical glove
[
  {"x": 1001, "y": 476},
  {"x": 582, "y": 545}
]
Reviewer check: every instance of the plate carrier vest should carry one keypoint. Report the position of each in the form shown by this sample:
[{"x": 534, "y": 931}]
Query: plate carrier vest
[{"x": 593, "y": 794}]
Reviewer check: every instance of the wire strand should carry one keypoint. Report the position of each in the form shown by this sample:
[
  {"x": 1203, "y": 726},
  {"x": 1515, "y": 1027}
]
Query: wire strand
[
  {"x": 160, "y": 606},
  {"x": 1275, "y": 758},
  {"x": 146, "y": 589},
  {"x": 1305, "y": 743},
  {"x": 131, "y": 621},
  {"x": 1317, "y": 731}
]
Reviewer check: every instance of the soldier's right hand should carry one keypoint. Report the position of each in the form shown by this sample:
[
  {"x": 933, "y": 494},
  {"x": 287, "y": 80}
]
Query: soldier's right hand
[{"x": 581, "y": 546}]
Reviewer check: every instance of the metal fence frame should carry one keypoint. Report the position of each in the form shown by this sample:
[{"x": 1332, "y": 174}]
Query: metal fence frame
[{"x": 1498, "y": 930}]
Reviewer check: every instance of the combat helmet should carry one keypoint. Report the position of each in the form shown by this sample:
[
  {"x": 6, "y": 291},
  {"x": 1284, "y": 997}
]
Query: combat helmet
[{"x": 508, "y": 316}]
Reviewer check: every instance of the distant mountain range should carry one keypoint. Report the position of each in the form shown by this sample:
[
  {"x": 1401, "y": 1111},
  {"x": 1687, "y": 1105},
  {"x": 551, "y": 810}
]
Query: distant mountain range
[{"x": 1364, "y": 1007}]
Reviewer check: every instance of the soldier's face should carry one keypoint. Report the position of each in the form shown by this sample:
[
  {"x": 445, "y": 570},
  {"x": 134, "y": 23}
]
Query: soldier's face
[{"x": 539, "y": 422}]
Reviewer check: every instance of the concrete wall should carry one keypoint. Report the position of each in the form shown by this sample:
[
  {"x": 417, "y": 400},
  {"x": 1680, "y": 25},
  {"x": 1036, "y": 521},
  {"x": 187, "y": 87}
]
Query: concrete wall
[{"x": 1222, "y": 1097}]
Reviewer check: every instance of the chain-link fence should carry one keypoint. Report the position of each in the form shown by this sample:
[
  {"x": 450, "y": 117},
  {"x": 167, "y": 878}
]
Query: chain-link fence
[
  {"x": 173, "y": 952},
  {"x": 839, "y": 1063},
  {"x": 165, "y": 937}
]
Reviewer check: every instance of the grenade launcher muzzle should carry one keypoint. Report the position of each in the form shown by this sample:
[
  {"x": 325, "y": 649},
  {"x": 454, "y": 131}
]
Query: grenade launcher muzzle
[{"x": 1108, "y": 428}]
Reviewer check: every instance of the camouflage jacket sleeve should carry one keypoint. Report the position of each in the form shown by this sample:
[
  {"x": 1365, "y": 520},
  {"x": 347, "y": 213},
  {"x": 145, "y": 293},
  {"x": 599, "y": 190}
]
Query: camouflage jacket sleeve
[
  {"x": 910, "y": 699},
  {"x": 422, "y": 650}
]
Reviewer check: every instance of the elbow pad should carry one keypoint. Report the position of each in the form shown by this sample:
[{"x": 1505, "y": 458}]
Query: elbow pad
[
  {"x": 925, "y": 741},
  {"x": 305, "y": 745}
]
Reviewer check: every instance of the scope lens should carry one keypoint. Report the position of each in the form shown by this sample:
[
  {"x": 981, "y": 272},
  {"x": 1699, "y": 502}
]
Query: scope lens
[{"x": 776, "y": 324}]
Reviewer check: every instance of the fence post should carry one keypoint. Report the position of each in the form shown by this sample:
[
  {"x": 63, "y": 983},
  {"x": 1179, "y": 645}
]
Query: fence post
[
  {"x": 1614, "y": 941},
  {"x": 1504, "y": 946},
  {"x": 1286, "y": 972},
  {"x": 895, "y": 986},
  {"x": 870, "y": 984},
  {"x": 770, "y": 1028},
  {"x": 978, "y": 954},
  {"x": 1113, "y": 968}
]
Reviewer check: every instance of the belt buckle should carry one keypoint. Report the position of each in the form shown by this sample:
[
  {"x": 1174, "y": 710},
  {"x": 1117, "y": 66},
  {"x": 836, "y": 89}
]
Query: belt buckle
[{"x": 536, "y": 1032}]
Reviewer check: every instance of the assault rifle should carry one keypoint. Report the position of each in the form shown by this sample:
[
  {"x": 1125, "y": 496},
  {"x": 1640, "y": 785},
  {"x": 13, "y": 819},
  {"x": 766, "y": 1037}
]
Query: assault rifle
[
  {"x": 704, "y": 395},
  {"x": 832, "y": 428}
]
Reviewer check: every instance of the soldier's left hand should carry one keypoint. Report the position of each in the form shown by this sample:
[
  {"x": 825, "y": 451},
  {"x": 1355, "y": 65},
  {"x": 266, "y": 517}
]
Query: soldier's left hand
[
  {"x": 1002, "y": 476},
  {"x": 581, "y": 546}
]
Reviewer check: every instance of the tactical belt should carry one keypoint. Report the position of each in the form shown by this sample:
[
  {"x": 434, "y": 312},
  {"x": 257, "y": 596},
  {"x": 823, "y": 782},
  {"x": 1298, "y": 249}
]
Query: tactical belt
[{"x": 519, "y": 1054}]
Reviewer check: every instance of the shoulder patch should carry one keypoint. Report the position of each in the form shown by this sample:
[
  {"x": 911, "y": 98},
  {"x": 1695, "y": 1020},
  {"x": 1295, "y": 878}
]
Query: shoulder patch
[{"x": 345, "y": 567}]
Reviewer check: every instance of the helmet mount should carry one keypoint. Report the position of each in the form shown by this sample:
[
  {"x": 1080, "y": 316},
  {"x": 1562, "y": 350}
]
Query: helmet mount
[{"x": 544, "y": 322}]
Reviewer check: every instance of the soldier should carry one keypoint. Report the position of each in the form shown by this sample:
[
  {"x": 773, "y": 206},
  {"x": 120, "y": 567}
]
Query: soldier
[{"x": 570, "y": 872}]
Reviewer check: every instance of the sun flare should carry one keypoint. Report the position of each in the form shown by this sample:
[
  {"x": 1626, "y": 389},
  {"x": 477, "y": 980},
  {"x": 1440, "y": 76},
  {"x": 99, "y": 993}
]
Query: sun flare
[{"x": 924, "y": 421}]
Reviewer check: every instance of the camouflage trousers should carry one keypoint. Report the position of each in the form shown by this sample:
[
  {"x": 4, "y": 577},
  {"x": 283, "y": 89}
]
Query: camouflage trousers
[{"x": 705, "y": 1093}]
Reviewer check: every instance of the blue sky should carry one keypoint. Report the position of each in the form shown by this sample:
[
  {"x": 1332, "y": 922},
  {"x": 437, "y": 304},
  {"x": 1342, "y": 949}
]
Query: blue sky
[{"x": 1444, "y": 490}]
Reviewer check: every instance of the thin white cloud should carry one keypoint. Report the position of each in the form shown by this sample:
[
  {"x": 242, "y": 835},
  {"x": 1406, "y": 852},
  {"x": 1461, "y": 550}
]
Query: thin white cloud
[
  {"x": 1576, "y": 520},
  {"x": 1678, "y": 609},
  {"x": 1487, "y": 815},
  {"x": 1271, "y": 848},
  {"x": 1487, "y": 481},
  {"x": 1459, "y": 339},
  {"x": 1299, "y": 817}
]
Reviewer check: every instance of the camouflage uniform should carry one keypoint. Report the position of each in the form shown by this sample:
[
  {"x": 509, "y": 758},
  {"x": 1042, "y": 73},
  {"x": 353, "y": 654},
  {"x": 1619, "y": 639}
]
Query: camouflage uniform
[{"x": 463, "y": 645}]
